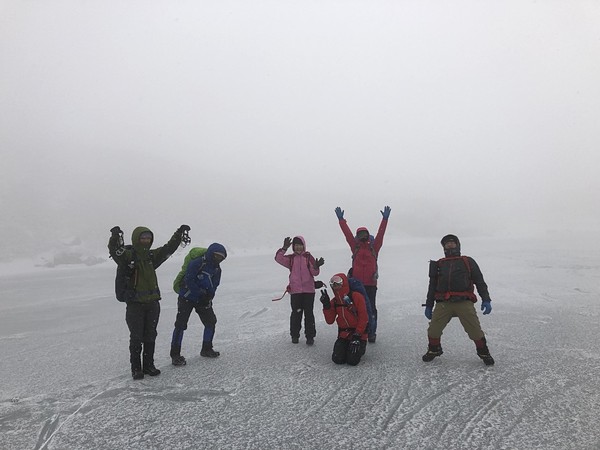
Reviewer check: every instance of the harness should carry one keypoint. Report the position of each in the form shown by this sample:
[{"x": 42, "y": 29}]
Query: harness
[{"x": 469, "y": 294}]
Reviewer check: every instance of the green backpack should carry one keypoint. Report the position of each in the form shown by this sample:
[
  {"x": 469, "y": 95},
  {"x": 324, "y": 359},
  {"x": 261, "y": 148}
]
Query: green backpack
[{"x": 194, "y": 253}]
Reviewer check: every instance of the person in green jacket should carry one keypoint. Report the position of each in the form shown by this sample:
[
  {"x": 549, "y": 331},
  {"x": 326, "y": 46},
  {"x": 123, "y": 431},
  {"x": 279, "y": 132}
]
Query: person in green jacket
[{"x": 142, "y": 294}]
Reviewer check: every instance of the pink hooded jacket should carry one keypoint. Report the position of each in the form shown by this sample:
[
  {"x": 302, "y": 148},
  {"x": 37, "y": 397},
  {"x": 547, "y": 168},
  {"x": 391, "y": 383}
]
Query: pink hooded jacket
[{"x": 302, "y": 269}]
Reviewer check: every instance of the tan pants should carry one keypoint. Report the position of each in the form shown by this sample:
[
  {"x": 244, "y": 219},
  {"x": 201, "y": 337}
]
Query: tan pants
[{"x": 464, "y": 310}]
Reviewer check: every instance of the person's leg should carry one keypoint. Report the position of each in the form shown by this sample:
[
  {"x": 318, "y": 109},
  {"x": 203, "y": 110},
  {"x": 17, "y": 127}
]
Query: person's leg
[
  {"x": 150, "y": 333},
  {"x": 134, "y": 316},
  {"x": 442, "y": 313},
  {"x": 296, "y": 317},
  {"x": 339, "y": 351},
  {"x": 372, "y": 293},
  {"x": 310, "y": 330},
  {"x": 467, "y": 315},
  {"x": 184, "y": 309},
  {"x": 209, "y": 320}
]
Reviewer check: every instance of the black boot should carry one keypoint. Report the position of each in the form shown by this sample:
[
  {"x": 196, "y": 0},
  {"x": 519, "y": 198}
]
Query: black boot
[
  {"x": 207, "y": 350},
  {"x": 432, "y": 352},
  {"x": 176, "y": 358},
  {"x": 136, "y": 361},
  {"x": 484, "y": 354},
  {"x": 149, "y": 368}
]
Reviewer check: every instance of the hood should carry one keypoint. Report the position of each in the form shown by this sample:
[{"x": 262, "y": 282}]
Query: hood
[
  {"x": 452, "y": 251},
  {"x": 135, "y": 239},
  {"x": 301, "y": 238},
  {"x": 345, "y": 289},
  {"x": 213, "y": 248},
  {"x": 361, "y": 229}
]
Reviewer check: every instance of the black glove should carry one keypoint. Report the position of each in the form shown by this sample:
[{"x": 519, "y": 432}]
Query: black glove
[
  {"x": 354, "y": 346},
  {"x": 115, "y": 231},
  {"x": 286, "y": 243},
  {"x": 184, "y": 230},
  {"x": 319, "y": 284},
  {"x": 325, "y": 299},
  {"x": 319, "y": 262}
]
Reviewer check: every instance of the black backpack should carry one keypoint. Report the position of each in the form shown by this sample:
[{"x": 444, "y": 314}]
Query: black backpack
[{"x": 125, "y": 279}]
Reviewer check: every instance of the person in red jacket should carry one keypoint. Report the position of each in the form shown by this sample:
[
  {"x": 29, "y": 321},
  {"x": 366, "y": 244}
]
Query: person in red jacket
[
  {"x": 365, "y": 250},
  {"x": 349, "y": 310}
]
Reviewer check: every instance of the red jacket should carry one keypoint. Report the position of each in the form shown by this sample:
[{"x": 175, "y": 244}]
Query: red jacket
[
  {"x": 351, "y": 316},
  {"x": 364, "y": 259}
]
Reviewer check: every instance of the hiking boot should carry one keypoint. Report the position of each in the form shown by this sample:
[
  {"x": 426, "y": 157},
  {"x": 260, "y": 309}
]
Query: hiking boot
[
  {"x": 209, "y": 353},
  {"x": 295, "y": 340},
  {"x": 372, "y": 338},
  {"x": 310, "y": 341},
  {"x": 178, "y": 360},
  {"x": 432, "y": 352},
  {"x": 151, "y": 370},
  {"x": 137, "y": 374},
  {"x": 484, "y": 354}
]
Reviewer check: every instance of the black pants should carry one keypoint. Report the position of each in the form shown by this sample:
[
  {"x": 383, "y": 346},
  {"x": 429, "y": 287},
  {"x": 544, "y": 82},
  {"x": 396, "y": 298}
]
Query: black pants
[
  {"x": 184, "y": 310},
  {"x": 142, "y": 320},
  {"x": 303, "y": 304},
  {"x": 342, "y": 352},
  {"x": 372, "y": 293}
]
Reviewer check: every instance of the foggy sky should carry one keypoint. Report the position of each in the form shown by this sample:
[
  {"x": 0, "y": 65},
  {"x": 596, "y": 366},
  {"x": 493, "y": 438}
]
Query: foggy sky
[{"x": 251, "y": 121}]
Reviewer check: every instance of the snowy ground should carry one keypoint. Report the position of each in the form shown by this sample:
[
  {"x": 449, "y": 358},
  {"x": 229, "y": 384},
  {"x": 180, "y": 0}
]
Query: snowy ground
[{"x": 65, "y": 380}]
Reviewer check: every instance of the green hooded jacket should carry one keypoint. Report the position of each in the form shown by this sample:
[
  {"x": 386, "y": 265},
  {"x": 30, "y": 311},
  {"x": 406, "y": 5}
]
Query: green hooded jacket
[{"x": 147, "y": 260}]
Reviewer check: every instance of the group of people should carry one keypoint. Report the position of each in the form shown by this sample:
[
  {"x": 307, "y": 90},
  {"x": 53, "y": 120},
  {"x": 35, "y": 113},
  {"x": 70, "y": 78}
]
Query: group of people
[{"x": 352, "y": 307}]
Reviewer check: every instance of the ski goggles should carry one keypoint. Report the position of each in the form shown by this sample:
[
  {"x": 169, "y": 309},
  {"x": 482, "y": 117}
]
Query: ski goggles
[
  {"x": 336, "y": 282},
  {"x": 146, "y": 236}
]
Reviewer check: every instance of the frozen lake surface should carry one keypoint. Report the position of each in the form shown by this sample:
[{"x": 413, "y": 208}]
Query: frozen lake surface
[{"x": 66, "y": 382}]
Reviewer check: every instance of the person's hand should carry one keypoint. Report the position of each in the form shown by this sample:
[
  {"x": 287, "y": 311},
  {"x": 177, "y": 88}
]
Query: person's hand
[
  {"x": 183, "y": 228},
  {"x": 286, "y": 243},
  {"x": 115, "y": 231},
  {"x": 319, "y": 284},
  {"x": 486, "y": 307},
  {"x": 325, "y": 299},
  {"x": 428, "y": 312},
  {"x": 354, "y": 346},
  {"x": 386, "y": 212},
  {"x": 339, "y": 213},
  {"x": 319, "y": 262}
]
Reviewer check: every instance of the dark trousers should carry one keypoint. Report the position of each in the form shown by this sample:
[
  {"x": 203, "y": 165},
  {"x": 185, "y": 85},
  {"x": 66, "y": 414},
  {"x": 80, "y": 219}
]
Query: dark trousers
[
  {"x": 184, "y": 310},
  {"x": 303, "y": 304},
  {"x": 372, "y": 293},
  {"x": 142, "y": 320},
  {"x": 343, "y": 354}
]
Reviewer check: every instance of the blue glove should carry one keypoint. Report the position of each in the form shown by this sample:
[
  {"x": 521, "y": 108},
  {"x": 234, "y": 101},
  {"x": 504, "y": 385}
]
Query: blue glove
[
  {"x": 486, "y": 307},
  {"x": 339, "y": 213},
  {"x": 428, "y": 312},
  {"x": 386, "y": 212}
]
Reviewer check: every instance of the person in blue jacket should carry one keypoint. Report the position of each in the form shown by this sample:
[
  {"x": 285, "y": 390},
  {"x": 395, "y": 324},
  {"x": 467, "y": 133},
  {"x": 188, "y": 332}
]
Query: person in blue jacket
[{"x": 200, "y": 283}]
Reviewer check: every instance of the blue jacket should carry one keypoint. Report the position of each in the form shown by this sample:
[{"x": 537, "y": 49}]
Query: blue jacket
[{"x": 203, "y": 276}]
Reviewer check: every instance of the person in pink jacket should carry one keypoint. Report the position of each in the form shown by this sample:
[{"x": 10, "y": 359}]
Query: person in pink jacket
[{"x": 303, "y": 269}]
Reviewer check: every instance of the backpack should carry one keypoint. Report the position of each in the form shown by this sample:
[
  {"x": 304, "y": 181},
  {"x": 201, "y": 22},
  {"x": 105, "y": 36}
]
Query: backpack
[
  {"x": 196, "y": 252},
  {"x": 357, "y": 286},
  {"x": 434, "y": 271},
  {"x": 373, "y": 252},
  {"x": 125, "y": 278}
]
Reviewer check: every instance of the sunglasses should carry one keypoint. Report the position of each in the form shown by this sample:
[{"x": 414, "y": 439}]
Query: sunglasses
[{"x": 336, "y": 282}]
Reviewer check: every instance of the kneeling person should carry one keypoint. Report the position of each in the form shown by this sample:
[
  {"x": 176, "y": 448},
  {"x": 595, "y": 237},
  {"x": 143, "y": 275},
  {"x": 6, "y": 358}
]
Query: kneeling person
[{"x": 349, "y": 310}]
